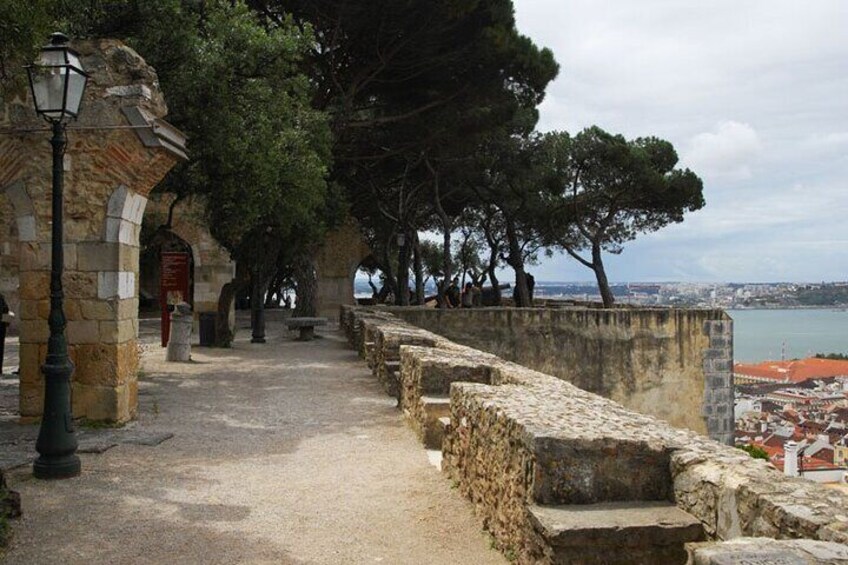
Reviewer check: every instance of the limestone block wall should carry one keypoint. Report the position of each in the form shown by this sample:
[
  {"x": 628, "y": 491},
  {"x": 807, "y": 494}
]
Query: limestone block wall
[
  {"x": 109, "y": 171},
  {"x": 336, "y": 262},
  {"x": 525, "y": 439},
  {"x": 675, "y": 364}
]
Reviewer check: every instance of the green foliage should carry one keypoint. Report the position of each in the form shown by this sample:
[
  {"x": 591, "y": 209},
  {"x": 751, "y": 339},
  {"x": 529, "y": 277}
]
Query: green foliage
[
  {"x": 234, "y": 83},
  {"x": 24, "y": 28},
  {"x": 754, "y": 451},
  {"x": 828, "y": 295},
  {"x": 833, "y": 356},
  {"x": 608, "y": 190}
]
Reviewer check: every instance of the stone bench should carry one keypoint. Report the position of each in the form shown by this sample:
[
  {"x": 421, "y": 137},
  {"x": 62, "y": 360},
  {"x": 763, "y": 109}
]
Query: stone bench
[{"x": 306, "y": 326}]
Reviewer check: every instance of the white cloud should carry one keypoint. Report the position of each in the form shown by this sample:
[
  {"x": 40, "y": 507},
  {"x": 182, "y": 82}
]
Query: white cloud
[
  {"x": 752, "y": 95},
  {"x": 728, "y": 151}
]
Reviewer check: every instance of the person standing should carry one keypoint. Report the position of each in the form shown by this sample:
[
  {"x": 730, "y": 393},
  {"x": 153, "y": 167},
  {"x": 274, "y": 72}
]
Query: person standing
[{"x": 468, "y": 295}]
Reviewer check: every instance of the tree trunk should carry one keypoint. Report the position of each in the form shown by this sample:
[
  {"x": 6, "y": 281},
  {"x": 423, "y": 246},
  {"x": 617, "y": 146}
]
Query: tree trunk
[
  {"x": 224, "y": 334},
  {"x": 601, "y": 276},
  {"x": 257, "y": 308},
  {"x": 389, "y": 281},
  {"x": 522, "y": 293},
  {"x": 402, "y": 298},
  {"x": 418, "y": 267},
  {"x": 496, "y": 291},
  {"x": 306, "y": 287}
]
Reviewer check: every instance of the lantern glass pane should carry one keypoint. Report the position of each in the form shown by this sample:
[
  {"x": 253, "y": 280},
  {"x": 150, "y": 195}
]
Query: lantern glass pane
[
  {"x": 52, "y": 58},
  {"x": 73, "y": 59},
  {"x": 48, "y": 87},
  {"x": 76, "y": 86}
]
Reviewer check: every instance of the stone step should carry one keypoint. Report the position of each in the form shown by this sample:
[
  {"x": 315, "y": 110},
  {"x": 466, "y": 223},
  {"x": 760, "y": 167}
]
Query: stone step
[
  {"x": 436, "y": 408},
  {"x": 650, "y": 532},
  {"x": 767, "y": 551}
]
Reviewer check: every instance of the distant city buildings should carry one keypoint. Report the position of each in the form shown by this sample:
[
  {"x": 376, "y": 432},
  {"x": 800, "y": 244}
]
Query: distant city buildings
[
  {"x": 707, "y": 295},
  {"x": 795, "y": 414}
]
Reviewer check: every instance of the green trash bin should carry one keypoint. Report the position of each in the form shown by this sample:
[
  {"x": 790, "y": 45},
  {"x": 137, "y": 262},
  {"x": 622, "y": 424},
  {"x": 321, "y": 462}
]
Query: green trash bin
[{"x": 207, "y": 328}]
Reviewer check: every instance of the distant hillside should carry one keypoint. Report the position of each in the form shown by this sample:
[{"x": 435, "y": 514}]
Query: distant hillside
[{"x": 829, "y": 295}]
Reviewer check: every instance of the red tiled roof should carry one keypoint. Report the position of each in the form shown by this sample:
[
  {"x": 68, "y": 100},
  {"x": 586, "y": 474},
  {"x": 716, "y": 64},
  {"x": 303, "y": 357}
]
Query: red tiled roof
[
  {"x": 796, "y": 371},
  {"x": 776, "y": 456}
]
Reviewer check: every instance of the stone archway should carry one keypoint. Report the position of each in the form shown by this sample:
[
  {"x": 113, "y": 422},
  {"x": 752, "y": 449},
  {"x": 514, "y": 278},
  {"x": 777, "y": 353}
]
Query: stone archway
[
  {"x": 336, "y": 264},
  {"x": 213, "y": 267},
  {"x": 109, "y": 171}
]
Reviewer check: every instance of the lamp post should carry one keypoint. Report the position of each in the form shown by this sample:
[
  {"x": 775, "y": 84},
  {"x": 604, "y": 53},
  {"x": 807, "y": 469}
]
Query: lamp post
[{"x": 58, "y": 82}]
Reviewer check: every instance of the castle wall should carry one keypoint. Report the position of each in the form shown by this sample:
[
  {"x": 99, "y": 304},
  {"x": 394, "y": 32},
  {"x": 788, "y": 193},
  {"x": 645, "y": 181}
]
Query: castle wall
[
  {"x": 522, "y": 445},
  {"x": 673, "y": 364}
]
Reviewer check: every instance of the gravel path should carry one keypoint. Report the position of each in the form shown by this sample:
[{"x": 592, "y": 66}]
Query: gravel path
[{"x": 286, "y": 452}]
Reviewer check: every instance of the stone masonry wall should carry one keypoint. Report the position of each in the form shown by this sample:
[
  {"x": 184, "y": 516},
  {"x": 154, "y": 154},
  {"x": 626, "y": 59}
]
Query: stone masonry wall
[
  {"x": 670, "y": 363},
  {"x": 527, "y": 439},
  {"x": 109, "y": 172}
]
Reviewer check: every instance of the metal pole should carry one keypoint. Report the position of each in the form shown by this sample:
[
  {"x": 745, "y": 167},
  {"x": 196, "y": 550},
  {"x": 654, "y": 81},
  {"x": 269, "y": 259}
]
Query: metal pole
[{"x": 57, "y": 444}]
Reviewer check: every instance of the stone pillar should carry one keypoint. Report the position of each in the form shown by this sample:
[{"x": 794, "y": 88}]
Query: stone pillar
[
  {"x": 179, "y": 344},
  {"x": 336, "y": 263},
  {"x": 717, "y": 409},
  {"x": 109, "y": 170}
]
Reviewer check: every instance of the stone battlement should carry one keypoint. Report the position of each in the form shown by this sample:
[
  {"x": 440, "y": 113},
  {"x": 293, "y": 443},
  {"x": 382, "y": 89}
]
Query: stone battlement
[{"x": 535, "y": 453}]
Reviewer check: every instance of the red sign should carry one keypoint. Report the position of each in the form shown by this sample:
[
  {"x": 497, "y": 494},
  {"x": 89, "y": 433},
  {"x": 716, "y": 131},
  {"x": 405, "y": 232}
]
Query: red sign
[{"x": 173, "y": 286}]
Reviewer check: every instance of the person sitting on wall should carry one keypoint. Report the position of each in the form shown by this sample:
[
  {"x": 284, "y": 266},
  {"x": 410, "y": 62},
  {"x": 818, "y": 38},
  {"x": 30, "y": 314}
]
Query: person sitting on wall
[{"x": 468, "y": 295}]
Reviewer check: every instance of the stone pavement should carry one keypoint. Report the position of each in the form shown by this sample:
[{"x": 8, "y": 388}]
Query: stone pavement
[{"x": 287, "y": 452}]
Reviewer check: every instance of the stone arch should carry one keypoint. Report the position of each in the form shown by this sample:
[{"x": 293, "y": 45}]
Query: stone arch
[
  {"x": 164, "y": 240},
  {"x": 336, "y": 263},
  {"x": 213, "y": 267},
  {"x": 108, "y": 174}
]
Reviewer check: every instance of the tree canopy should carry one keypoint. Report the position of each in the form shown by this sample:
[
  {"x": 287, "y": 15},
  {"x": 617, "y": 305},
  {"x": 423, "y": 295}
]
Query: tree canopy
[
  {"x": 410, "y": 115},
  {"x": 610, "y": 190}
]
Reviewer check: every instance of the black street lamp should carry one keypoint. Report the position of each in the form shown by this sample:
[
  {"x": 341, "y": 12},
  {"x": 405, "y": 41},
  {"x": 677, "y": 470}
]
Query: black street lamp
[{"x": 58, "y": 82}]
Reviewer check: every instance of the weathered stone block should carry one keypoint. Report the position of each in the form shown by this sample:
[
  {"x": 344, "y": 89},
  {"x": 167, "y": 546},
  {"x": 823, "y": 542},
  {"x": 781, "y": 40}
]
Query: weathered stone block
[
  {"x": 764, "y": 551},
  {"x": 80, "y": 285},
  {"x": 616, "y": 533},
  {"x": 98, "y": 309},
  {"x": 34, "y": 285},
  {"x": 83, "y": 331},
  {"x": 105, "y": 364},
  {"x": 103, "y": 403},
  {"x": 599, "y": 469},
  {"x": 98, "y": 256}
]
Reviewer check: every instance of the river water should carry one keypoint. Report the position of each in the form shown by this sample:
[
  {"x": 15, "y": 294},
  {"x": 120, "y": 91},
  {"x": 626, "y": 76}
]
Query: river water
[{"x": 760, "y": 335}]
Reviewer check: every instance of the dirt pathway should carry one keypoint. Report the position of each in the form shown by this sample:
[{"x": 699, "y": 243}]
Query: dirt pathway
[{"x": 282, "y": 453}]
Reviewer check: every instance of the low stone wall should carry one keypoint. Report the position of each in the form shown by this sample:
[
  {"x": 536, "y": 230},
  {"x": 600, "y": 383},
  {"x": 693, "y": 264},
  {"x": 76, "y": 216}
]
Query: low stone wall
[
  {"x": 521, "y": 441},
  {"x": 674, "y": 364}
]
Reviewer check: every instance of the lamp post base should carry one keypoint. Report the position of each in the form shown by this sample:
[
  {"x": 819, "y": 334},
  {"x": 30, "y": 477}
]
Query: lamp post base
[{"x": 60, "y": 467}]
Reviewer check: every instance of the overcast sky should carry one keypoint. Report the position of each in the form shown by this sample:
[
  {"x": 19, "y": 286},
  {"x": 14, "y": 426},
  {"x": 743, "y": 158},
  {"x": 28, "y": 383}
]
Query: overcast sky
[{"x": 754, "y": 97}]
